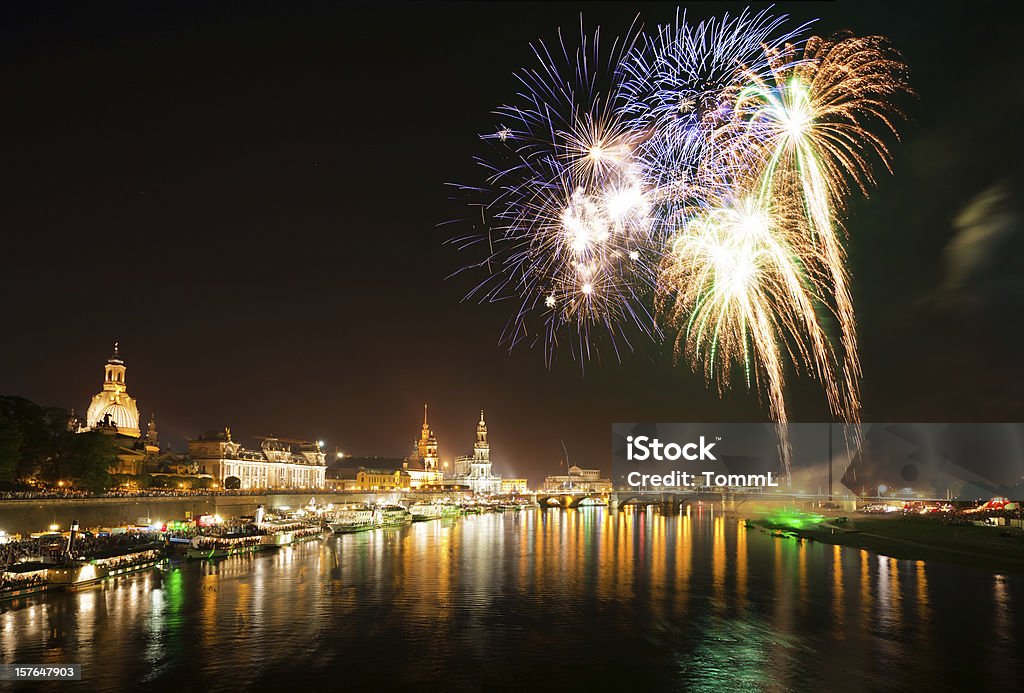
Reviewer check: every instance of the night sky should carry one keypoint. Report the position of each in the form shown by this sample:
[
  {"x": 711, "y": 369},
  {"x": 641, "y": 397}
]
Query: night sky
[{"x": 250, "y": 198}]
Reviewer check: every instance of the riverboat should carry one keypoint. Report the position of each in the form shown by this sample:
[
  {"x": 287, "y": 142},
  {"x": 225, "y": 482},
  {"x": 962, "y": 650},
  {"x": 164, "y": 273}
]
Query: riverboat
[
  {"x": 347, "y": 520},
  {"x": 81, "y": 573},
  {"x": 24, "y": 579},
  {"x": 207, "y": 547},
  {"x": 286, "y": 532},
  {"x": 422, "y": 511}
]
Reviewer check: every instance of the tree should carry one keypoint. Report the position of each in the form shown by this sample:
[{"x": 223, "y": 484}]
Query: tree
[
  {"x": 232, "y": 483},
  {"x": 42, "y": 436},
  {"x": 10, "y": 448},
  {"x": 89, "y": 459}
]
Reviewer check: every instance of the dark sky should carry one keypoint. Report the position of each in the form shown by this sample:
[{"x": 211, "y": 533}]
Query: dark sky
[{"x": 248, "y": 196}]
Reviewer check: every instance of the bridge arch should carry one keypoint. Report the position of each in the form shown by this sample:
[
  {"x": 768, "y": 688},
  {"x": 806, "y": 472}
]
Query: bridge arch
[{"x": 566, "y": 500}]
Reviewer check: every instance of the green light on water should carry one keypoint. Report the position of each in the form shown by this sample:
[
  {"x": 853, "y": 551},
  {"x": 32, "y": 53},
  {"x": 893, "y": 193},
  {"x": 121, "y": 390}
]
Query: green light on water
[{"x": 794, "y": 519}]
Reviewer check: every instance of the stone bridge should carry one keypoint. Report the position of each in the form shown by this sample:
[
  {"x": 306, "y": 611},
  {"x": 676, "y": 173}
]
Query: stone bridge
[{"x": 671, "y": 501}]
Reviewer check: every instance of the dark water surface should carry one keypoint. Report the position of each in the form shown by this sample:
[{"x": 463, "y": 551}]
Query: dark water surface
[{"x": 542, "y": 600}]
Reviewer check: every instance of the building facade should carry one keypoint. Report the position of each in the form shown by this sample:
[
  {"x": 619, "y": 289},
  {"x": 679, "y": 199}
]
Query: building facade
[
  {"x": 578, "y": 480},
  {"x": 515, "y": 486},
  {"x": 113, "y": 412},
  {"x": 423, "y": 465},
  {"x": 278, "y": 464},
  {"x": 370, "y": 479},
  {"x": 474, "y": 471},
  {"x": 113, "y": 408}
]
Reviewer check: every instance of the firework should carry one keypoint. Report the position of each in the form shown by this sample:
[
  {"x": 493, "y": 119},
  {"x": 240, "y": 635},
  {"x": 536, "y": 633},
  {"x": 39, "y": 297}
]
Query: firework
[
  {"x": 703, "y": 170},
  {"x": 679, "y": 86},
  {"x": 570, "y": 240},
  {"x": 806, "y": 130}
]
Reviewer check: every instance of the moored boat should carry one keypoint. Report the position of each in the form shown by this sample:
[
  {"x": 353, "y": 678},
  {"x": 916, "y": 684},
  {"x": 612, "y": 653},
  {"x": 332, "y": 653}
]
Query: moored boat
[
  {"x": 84, "y": 572},
  {"x": 206, "y": 547},
  {"x": 24, "y": 579},
  {"x": 352, "y": 518},
  {"x": 361, "y": 518},
  {"x": 392, "y": 515},
  {"x": 285, "y": 532},
  {"x": 424, "y": 510}
]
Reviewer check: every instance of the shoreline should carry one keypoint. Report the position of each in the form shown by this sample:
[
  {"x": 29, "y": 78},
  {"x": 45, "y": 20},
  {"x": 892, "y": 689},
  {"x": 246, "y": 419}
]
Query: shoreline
[
  {"x": 198, "y": 497},
  {"x": 919, "y": 539}
]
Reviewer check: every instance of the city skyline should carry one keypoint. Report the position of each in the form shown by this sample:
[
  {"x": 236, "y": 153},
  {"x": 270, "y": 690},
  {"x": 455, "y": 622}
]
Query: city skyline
[
  {"x": 300, "y": 285},
  {"x": 126, "y": 420},
  {"x": 511, "y": 345}
]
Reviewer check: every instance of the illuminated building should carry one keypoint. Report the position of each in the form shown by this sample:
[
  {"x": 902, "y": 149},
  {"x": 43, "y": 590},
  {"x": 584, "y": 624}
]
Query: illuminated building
[
  {"x": 422, "y": 463},
  {"x": 278, "y": 464},
  {"x": 578, "y": 480},
  {"x": 371, "y": 479},
  {"x": 475, "y": 471},
  {"x": 115, "y": 413},
  {"x": 112, "y": 407},
  {"x": 514, "y": 486}
]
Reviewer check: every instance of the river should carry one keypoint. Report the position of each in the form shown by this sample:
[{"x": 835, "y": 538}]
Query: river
[{"x": 552, "y": 599}]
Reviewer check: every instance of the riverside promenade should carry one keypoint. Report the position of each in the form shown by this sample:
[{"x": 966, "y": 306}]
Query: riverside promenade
[{"x": 24, "y": 516}]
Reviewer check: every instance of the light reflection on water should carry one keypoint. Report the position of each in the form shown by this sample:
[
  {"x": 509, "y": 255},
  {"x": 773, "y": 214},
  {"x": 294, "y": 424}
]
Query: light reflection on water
[{"x": 543, "y": 599}]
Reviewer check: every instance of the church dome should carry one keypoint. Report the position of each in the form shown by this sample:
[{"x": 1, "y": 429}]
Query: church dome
[
  {"x": 121, "y": 416},
  {"x": 113, "y": 403}
]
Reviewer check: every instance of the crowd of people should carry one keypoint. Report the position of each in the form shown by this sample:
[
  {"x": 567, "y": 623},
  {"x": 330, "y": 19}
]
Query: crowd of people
[
  {"x": 58, "y": 493},
  {"x": 50, "y": 548},
  {"x": 45, "y": 493},
  {"x": 232, "y": 526},
  {"x": 19, "y": 581},
  {"x": 45, "y": 549}
]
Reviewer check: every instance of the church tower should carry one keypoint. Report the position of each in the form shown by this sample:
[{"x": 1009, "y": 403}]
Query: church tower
[
  {"x": 426, "y": 447},
  {"x": 151, "y": 435},
  {"x": 113, "y": 407},
  {"x": 481, "y": 449}
]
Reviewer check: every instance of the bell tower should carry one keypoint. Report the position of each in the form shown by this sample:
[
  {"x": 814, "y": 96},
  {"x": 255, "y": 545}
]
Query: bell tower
[
  {"x": 114, "y": 372},
  {"x": 426, "y": 447},
  {"x": 481, "y": 449}
]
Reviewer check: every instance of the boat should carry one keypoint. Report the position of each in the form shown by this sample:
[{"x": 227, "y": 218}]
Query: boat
[
  {"x": 24, "y": 579},
  {"x": 392, "y": 515},
  {"x": 206, "y": 547},
  {"x": 76, "y": 574},
  {"x": 352, "y": 518},
  {"x": 286, "y": 532},
  {"x": 424, "y": 510},
  {"x": 362, "y": 518}
]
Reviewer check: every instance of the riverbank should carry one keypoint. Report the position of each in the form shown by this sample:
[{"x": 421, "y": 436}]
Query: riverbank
[
  {"x": 27, "y": 516},
  {"x": 921, "y": 538}
]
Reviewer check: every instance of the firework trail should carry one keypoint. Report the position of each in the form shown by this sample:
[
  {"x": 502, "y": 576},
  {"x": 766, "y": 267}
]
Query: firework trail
[
  {"x": 570, "y": 239},
  {"x": 678, "y": 87},
  {"x": 806, "y": 130},
  {"x": 702, "y": 170}
]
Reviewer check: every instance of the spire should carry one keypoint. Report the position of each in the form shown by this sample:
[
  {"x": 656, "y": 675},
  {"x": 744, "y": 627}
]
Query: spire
[
  {"x": 151, "y": 434},
  {"x": 116, "y": 356},
  {"x": 424, "y": 415},
  {"x": 482, "y": 422}
]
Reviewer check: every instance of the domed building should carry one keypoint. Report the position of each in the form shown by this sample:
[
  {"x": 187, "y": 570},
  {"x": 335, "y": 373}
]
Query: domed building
[{"x": 113, "y": 407}]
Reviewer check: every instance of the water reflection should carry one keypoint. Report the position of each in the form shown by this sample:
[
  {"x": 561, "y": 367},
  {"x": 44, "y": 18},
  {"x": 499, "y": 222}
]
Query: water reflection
[{"x": 544, "y": 599}]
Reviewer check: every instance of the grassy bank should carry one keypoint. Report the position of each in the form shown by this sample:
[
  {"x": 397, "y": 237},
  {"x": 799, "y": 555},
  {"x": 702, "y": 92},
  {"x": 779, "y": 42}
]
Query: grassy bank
[{"x": 922, "y": 538}]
